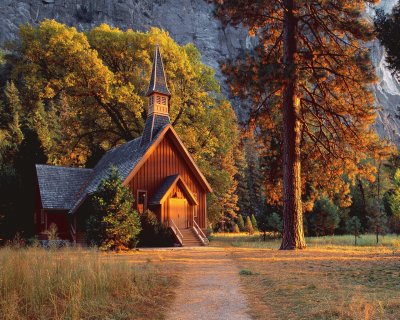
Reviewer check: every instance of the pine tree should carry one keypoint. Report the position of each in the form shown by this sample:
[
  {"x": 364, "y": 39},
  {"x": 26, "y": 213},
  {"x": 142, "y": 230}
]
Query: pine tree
[
  {"x": 235, "y": 228},
  {"x": 353, "y": 225},
  {"x": 274, "y": 222},
  {"x": 254, "y": 222},
  {"x": 248, "y": 226},
  {"x": 114, "y": 224},
  {"x": 308, "y": 85},
  {"x": 377, "y": 219},
  {"x": 324, "y": 218},
  {"x": 388, "y": 31},
  {"x": 240, "y": 222}
]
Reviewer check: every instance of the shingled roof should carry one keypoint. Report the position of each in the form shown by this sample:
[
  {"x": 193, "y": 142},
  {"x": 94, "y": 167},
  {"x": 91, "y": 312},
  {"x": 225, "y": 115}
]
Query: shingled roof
[
  {"x": 59, "y": 186},
  {"x": 66, "y": 188},
  {"x": 158, "y": 82},
  {"x": 165, "y": 187}
]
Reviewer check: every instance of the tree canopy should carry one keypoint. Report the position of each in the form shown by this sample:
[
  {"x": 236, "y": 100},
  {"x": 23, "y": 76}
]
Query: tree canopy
[
  {"x": 84, "y": 93},
  {"x": 307, "y": 85}
]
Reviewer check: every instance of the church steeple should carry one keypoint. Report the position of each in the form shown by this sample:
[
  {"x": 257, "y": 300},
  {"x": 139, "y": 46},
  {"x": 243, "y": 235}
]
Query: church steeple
[{"x": 158, "y": 93}]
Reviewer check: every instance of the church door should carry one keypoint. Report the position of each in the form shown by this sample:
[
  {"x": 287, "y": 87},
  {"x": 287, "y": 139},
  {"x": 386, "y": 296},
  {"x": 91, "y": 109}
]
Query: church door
[{"x": 178, "y": 212}]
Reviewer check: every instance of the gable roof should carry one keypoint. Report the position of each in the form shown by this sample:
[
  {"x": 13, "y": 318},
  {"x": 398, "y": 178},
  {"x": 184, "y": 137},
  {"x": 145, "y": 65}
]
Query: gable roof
[
  {"x": 185, "y": 153},
  {"x": 166, "y": 186},
  {"x": 59, "y": 186},
  {"x": 158, "y": 82},
  {"x": 67, "y": 188}
]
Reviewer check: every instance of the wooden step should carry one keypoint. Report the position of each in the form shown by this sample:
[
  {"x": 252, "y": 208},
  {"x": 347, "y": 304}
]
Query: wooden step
[{"x": 190, "y": 239}]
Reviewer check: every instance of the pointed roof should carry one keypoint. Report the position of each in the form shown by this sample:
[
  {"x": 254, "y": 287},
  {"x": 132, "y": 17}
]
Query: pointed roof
[
  {"x": 165, "y": 189},
  {"x": 158, "y": 82},
  {"x": 67, "y": 188}
]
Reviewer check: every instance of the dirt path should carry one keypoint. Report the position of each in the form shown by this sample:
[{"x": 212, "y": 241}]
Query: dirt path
[{"x": 209, "y": 287}]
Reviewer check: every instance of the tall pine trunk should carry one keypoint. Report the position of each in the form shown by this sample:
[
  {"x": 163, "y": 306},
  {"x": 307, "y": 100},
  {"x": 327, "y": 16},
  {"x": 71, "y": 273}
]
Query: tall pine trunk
[{"x": 293, "y": 233}]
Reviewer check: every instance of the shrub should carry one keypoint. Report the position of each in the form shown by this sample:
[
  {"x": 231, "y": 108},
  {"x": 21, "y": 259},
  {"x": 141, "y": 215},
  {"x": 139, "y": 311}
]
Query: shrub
[
  {"x": 254, "y": 222},
  {"x": 240, "y": 223},
  {"x": 249, "y": 227},
  {"x": 114, "y": 224},
  {"x": 153, "y": 233}
]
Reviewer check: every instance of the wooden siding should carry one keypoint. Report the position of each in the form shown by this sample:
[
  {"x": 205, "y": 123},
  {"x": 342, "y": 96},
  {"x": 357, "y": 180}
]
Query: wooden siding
[{"x": 165, "y": 161}]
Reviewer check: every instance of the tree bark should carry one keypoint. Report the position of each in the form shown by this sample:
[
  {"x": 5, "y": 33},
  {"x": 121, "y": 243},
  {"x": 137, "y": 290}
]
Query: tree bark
[{"x": 293, "y": 233}]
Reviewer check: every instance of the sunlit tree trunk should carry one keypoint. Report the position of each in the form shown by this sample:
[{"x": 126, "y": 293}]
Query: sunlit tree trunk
[{"x": 293, "y": 233}]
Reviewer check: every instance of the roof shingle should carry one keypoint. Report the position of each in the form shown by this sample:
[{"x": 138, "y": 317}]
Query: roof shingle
[{"x": 59, "y": 186}]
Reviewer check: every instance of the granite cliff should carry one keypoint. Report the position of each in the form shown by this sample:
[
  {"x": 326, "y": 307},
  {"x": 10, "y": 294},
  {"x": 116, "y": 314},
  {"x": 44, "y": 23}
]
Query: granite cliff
[{"x": 187, "y": 21}]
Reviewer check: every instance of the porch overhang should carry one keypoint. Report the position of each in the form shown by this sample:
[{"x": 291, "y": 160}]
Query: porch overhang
[{"x": 166, "y": 187}]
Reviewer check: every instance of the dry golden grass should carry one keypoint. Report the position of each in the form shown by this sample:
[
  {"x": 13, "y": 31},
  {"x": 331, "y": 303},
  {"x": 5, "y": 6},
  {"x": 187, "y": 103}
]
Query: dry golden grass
[
  {"x": 79, "y": 284},
  {"x": 325, "y": 281}
]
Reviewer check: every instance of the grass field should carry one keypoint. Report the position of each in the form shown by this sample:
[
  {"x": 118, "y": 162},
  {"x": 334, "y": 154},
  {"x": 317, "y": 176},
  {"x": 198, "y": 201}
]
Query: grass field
[
  {"x": 332, "y": 279},
  {"x": 256, "y": 241},
  {"x": 79, "y": 284}
]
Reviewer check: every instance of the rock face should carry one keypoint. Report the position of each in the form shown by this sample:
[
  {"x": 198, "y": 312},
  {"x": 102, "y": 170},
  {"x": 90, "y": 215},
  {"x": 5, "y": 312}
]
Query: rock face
[{"x": 186, "y": 21}]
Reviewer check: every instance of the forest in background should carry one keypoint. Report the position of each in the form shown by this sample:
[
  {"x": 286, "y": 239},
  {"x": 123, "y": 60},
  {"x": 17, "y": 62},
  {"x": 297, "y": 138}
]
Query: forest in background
[{"x": 67, "y": 97}]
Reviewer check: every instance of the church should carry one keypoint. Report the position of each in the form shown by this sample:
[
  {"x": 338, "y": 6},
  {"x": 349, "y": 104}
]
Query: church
[{"x": 156, "y": 167}]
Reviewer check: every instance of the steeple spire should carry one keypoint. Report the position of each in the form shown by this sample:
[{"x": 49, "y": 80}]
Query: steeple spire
[
  {"x": 158, "y": 82},
  {"x": 158, "y": 93}
]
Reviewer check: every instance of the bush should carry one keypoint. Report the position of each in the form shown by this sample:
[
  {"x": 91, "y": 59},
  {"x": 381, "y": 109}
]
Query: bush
[
  {"x": 154, "y": 234},
  {"x": 240, "y": 223},
  {"x": 114, "y": 224},
  {"x": 254, "y": 222},
  {"x": 249, "y": 226}
]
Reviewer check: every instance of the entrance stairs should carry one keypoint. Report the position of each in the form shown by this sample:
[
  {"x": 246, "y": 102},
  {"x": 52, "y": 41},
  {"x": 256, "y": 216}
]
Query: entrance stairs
[{"x": 190, "y": 238}]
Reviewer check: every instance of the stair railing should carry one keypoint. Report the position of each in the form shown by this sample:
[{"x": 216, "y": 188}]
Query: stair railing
[
  {"x": 200, "y": 233},
  {"x": 73, "y": 232},
  {"x": 176, "y": 231}
]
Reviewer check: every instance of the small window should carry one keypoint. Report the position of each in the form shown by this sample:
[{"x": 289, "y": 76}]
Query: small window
[
  {"x": 158, "y": 99},
  {"x": 141, "y": 201},
  {"x": 164, "y": 101}
]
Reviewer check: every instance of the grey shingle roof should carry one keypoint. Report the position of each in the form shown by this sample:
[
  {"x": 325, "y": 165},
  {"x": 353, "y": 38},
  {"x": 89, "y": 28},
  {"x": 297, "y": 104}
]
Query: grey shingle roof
[
  {"x": 124, "y": 157},
  {"x": 164, "y": 187},
  {"x": 67, "y": 188},
  {"x": 153, "y": 126},
  {"x": 59, "y": 186},
  {"x": 158, "y": 82}
]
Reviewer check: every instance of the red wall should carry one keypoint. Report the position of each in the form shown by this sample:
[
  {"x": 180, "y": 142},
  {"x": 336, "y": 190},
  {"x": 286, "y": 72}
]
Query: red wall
[{"x": 166, "y": 160}]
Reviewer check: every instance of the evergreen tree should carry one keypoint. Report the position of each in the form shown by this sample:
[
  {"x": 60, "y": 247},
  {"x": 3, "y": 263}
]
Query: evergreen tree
[
  {"x": 254, "y": 222},
  {"x": 388, "y": 31},
  {"x": 274, "y": 222},
  {"x": 114, "y": 224},
  {"x": 377, "y": 219},
  {"x": 240, "y": 223},
  {"x": 353, "y": 226},
  {"x": 236, "y": 228},
  {"x": 324, "y": 218},
  {"x": 248, "y": 226},
  {"x": 308, "y": 84}
]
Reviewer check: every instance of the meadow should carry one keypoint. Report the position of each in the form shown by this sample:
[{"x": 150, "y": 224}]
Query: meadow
[
  {"x": 332, "y": 279},
  {"x": 78, "y": 284}
]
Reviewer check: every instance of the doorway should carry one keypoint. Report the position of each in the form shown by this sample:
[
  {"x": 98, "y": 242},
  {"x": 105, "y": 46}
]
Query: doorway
[{"x": 178, "y": 212}]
